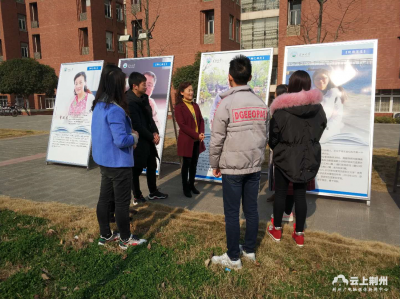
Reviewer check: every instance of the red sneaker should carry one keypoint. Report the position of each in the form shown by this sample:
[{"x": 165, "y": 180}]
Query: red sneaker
[
  {"x": 298, "y": 237},
  {"x": 274, "y": 232}
]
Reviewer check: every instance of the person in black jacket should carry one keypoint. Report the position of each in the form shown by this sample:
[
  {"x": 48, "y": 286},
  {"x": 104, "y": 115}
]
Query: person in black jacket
[
  {"x": 145, "y": 154},
  {"x": 297, "y": 123}
]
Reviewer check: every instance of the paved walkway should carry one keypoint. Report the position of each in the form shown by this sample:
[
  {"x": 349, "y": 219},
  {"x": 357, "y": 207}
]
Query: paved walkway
[{"x": 24, "y": 174}]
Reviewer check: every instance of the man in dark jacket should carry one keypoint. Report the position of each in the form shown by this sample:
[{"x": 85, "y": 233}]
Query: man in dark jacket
[{"x": 145, "y": 154}]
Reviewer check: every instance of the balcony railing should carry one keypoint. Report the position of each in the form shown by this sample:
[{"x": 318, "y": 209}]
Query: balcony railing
[
  {"x": 208, "y": 38},
  {"x": 136, "y": 8},
  {"x": 85, "y": 50},
  {"x": 255, "y": 38},
  {"x": 35, "y": 24},
  {"x": 254, "y": 5},
  {"x": 83, "y": 16},
  {"x": 293, "y": 30},
  {"x": 37, "y": 55}
]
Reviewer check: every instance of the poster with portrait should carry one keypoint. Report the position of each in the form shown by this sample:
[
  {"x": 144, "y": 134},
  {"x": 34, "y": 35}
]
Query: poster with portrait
[
  {"x": 158, "y": 73},
  {"x": 345, "y": 73},
  {"x": 213, "y": 80},
  {"x": 70, "y": 134}
]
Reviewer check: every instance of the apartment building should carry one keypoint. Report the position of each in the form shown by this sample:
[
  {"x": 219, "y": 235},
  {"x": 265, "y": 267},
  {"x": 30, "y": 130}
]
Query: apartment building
[
  {"x": 280, "y": 23},
  {"x": 55, "y": 32}
]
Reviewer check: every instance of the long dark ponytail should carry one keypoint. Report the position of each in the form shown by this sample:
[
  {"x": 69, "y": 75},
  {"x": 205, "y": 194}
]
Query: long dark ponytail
[{"x": 112, "y": 85}]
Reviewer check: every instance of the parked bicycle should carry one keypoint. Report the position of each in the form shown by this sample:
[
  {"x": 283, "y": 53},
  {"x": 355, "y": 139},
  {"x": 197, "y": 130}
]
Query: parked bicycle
[{"x": 10, "y": 110}]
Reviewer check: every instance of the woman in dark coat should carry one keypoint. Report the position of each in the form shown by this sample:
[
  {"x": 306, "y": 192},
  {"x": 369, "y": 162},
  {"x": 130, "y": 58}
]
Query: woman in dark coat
[
  {"x": 191, "y": 135},
  {"x": 297, "y": 123}
]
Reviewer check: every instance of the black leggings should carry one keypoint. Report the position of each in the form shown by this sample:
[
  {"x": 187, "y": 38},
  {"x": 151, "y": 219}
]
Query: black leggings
[
  {"x": 280, "y": 203},
  {"x": 189, "y": 165},
  {"x": 115, "y": 190}
]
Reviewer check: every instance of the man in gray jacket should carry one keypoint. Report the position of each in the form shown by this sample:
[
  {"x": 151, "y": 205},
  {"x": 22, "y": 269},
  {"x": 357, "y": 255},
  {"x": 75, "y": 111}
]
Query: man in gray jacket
[{"x": 237, "y": 146}]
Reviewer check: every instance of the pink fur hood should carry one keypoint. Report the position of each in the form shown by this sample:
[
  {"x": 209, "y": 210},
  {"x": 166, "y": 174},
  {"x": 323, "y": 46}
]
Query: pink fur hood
[{"x": 302, "y": 98}]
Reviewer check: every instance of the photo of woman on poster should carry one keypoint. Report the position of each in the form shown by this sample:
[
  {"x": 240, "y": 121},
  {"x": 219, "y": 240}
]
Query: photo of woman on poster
[
  {"x": 333, "y": 102},
  {"x": 151, "y": 80},
  {"x": 82, "y": 99}
]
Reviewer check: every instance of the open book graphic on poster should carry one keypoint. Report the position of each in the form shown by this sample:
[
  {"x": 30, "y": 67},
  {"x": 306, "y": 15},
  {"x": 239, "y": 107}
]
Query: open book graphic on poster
[
  {"x": 345, "y": 139},
  {"x": 80, "y": 129}
]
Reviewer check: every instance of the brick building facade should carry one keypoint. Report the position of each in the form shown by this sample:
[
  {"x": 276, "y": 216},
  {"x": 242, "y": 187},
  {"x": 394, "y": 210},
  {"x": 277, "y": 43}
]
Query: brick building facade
[
  {"x": 364, "y": 19},
  {"x": 58, "y": 32}
]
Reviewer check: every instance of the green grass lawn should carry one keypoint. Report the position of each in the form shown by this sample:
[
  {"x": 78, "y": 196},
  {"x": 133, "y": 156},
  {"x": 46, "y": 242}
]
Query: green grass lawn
[{"x": 40, "y": 257}]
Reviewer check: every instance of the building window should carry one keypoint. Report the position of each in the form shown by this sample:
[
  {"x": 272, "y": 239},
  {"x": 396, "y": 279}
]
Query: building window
[
  {"x": 237, "y": 31},
  {"x": 24, "y": 50},
  {"x": 33, "y": 8},
  {"x": 50, "y": 102},
  {"x": 294, "y": 17},
  {"x": 82, "y": 10},
  {"x": 107, "y": 7},
  {"x": 22, "y": 22},
  {"x": 209, "y": 22},
  {"x": 260, "y": 33},
  {"x": 387, "y": 100},
  {"x": 3, "y": 101},
  {"x": 120, "y": 12},
  {"x": 84, "y": 41},
  {"x": 109, "y": 41},
  {"x": 37, "y": 52},
  {"x": 120, "y": 45},
  {"x": 230, "y": 27}
]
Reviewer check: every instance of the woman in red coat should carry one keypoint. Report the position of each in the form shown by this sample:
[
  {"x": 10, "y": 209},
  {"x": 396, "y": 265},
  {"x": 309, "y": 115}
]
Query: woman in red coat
[{"x": 191, "y": 135}]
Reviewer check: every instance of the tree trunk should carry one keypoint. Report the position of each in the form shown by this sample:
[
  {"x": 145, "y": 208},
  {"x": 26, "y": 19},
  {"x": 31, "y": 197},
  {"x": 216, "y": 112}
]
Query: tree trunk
[{"x": 321, "y": 11}]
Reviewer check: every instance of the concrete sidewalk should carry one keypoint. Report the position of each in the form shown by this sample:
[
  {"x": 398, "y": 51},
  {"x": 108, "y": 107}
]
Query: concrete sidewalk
[{"x": 31, "y": 178}]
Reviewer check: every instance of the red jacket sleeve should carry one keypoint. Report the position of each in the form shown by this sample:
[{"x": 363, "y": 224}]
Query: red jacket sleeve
[{"x": 183, "y": 126}]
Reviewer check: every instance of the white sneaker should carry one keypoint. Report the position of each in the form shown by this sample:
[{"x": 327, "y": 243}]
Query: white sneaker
[
  {"x": 286, "y": 217},
  {"x": 225, "y": 261},
  {"x": 249, "y": 256}
]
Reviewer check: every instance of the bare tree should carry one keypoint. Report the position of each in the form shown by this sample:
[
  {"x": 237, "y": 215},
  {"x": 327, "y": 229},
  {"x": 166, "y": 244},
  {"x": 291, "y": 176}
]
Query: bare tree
[
  {"x": 148, "y": 25},
  {"x": 330, "y": 21}
]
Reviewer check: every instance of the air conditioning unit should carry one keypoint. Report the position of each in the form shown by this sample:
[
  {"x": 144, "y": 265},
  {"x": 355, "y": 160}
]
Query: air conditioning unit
[{"x": 396, "y": 115}]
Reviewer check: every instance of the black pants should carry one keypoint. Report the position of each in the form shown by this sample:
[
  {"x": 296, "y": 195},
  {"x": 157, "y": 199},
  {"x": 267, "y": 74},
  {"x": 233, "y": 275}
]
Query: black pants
[
  {"x": 150, "y": 174},
  {"x": 280, "y": 203},
  {"x": 115, "y": 186},
  {"x": 242, "y": 187},
  {"x": 189, "y": 166}
]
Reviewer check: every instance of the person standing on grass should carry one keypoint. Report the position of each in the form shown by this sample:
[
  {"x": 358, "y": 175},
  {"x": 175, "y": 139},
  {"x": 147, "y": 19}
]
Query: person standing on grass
[
  {"x": 280, "y": 89},
  {"x": 112, "y": 149},
  {"x": 145, "y": 155},
  {"x": 237, "y": 147},
  {"x": 297, "y": 123},
  {"x": 191, "y": 135}
]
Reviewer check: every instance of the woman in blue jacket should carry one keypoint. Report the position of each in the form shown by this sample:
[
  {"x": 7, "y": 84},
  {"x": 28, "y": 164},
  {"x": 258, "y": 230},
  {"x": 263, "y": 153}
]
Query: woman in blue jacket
[{"x": 112, "y": 149}]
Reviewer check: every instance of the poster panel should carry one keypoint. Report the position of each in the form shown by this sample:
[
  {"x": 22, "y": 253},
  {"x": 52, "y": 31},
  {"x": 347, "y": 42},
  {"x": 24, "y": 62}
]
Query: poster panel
[
  {"x": 70, "y": 134},
  {"x": 158, "y": 72},
  {"x": 345, "y": 72},
  {"x": 213, "y": 80}
]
